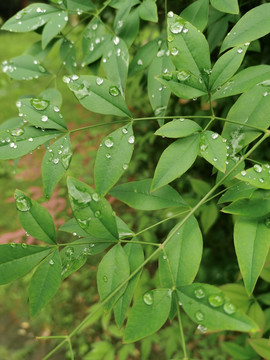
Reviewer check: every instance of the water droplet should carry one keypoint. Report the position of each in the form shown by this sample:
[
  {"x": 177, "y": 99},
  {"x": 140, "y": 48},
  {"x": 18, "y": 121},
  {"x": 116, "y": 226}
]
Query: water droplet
[
  {"x": 87, "y": 251},
  {"x": 105, "y": 278},
  {"x": 39, "y": 104},
  {"x": 108, "y": 142},
  {"x": 99, "y": 81},
  {"x": 41, "y": 69},
  {"x": 204, "y": 147},
  {"x": 202, "y": 329},
  {"x": 261, "y": 180},
  {"x": 124, "y": 131},
  {"x": 56, "y": 109},
  {"x": 267, "y": 222},
  {"x": 51, "y": 262},
  {"x": 55, "y": 161},
  {"x": 167, "y": 76},
  {"x": 13, "y": 245},
  {"x": 243, "y": 173},
  {"x": 199, "y": 316},
  {"x": 97, "y": 214},
  {"x": 24, "y": 245},
  {"x": 23, "y": 203},
  {"x": 170, "y": 14},
  {"x": 125, "y": 166},
  {"x": 140, "y": 62},
  {"x": 131, "y": 139},
  {"x": 95, "y": 197},
  {"x": 108, "y": 156},
  {"x": 229, "y": 308},
  {"x": 148, "y": 299},
  {"x": 182, "y": 75},
  {"x": 44, "y": 118},
  {"x": 160, "y": 53},
  {"x": 199, "y": 293},
  {"x": 240, "y": 50},
  {"x": 176, "y": 28},
  {"x": 257, "y": 168},
  {"x": 114, "y": 91},
  {"x": 66, "y": 158},
  {"x": 185, "y": 30},
  {"x": 164, "y": 257},
  {"x": 69, "y": 251},
  {"x": 214, "y": 136},
  {"x": 174, "y": 51},
  {"x": 214, "y": 159},
  {"x": 30, "y": 139},
  {"x": 18, "y": 104},
  {"x": 215, "y": 300}
]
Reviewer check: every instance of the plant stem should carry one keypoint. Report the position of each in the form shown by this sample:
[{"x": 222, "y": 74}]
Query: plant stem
[
  {"x": 181, "y": 328},
  {"x": 98, "y": 125},
  {"x": 139, "y": 242}
]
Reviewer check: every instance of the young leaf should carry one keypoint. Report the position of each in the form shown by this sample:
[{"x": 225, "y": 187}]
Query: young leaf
[
  {"x": 148, "y": 314},
  {"x": 194, "y": 59},
  {"x": 227, "y": 6},
  {"x": 241, "y": 190},
  {"x": 45, "y": 282},
  {"x": 92, "y": 212},
  {"x": 143, "y": 58},
  {"x": 251, "y": 240},
  {"x": 115, "y": 62},
  {"x": 135, "y": 257},
  {"x": 41, "y": 113},
  {"x": 21, "y": 141},
  {"x": 213, "y": 149},
  {"x": 178, "y": 128},
  {"x": 205, "y": 304},
  {"x": 261, "y": 346},
  {"x": 243, "y": 81},
  {"x": 254, "y": 207},
  {"x": 253, "y": 25},
  {"x": 251, "y": 108},
  {"x": 30, "y": 18},
  {"x": 35, "y": 219},
  {"x": 226, "y": 66},
  {"x": 183, "y": 84},
  {"x": 56, "y": 23},
  {"x": 55, "y": 163},
  {"x": 182, "y": 256},
  {"x": 95, "y": 40},
  {"x": 112, "y": 271},
  {"x": 138, "y": 195},
  {"x": 185, "y": 150},
  {"x": 16, "y": 260},
  {"x": 148, "y": 10},
  {"x": 24, "y": 67},
  {"x": 257, "y": 176},
  {"x": 113, "y": 157},
  {"x": 67, "y": 54},
  {"x": 158, "y": 95},
  {"x": 98, "y": 95},
  {"x": 197, "y": 14}
]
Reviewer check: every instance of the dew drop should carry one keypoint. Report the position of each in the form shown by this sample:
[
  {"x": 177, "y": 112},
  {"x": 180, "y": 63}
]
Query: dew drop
[
  {"x": 199, "y": 293},
  {"x": 125, "y": 166},
  {"x": 240, "y": 50},
  {"x": 124, "y": 131},
  {"x": 69, "y": 251},
  {"x": 202, "y": 329},
  {"x": 176, "y": 28},
  {"x": 257, "y": 168},
  {"x": 105, "y": 278},
  {"x": 214, "y": 136},
  {"x": 39, "y": 104},
  {"x": 215, "y": 300},
  {"x": 99, "y": 81},
  {"x": 243, "y": 173},
  {"x": 267, "y": 222},
  {"x": 95, "y": 197},
  {"x": 97, "y": 214},
  {"x": 114, "y": 91},
  {"x": 182, "y": 75},
  {"x": 229, "y": 308},
  {"x": 30, "y": 139},
  {"x": 261, "y": 180},
  {"x": 44, "y": 118},
  {"x": 24, "y": 245},
  {"x": 140, "y": 62},
  {"x": 108, "y": 142},
  {"x": 13, "y": 245},
  {"x": 174, "y": 51},
  {"x": 51, "y": 262},
  {"x": 131, "y": 139},
  {"x": 56, "y": 109},
  {"x": 170, "y": 14},
  {"x": 55, "y": 161},
  {"x": 108, "y": 156},
  {"x": 23, "y": 203},
  {"x": 148, "y": 299},
  {"x": 199, "y": 316}
]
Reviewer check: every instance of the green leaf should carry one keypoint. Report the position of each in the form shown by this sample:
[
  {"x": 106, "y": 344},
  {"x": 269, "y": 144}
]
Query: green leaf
[
  {"x": 200, "y": 187},
  {"x": 92, "y": 212},
  {"x": 127, "y": 28},
  {"x": 226, "y": 66},
  {"x": 158, "y": 95},
  {"x": 56, "y": 23},
  {"x": 208, "y": 216},
  {"x": 38, "y": 52},
  {"x": 253, "y": 25},
  {"x": 11, "y": 124},
  {"x": 41, "y": 113},
  {"x": 257, "y": 176},
  {"x": 251, "y": 108},
  {"x": 189, "y": 46},
  {"x": 217, "y": 27},
  {"x": 30, "y": 18},
  {"x": 243, "y": 81},
  {"x": 138, "y": 195},
  {"x": 24, "y": 67},
  {"x": 240, "y": 190},
  {"x": 35, "y": 219},
  {"x": 148, "y": 10},
  {"x": 98, "y": 95},
  {"x": 45, "y": 282},
  {"x": 148, "y": 314},
  {"x": 55, "y": 163},
  {"x": 251, "y": 240},
  {"x": 16, "y": 260},
  {"x": 112, "y": 271},
  {"x": 52, "y": 95},
  {"x": 261, "y": 346},
  {"x": 213, "y": 149},
  {"x": 197, "y": 14},
  {"x": 255, "y": 207},
  {"x": 238, "y": 295},
  {"x": 236, "y": 351},
  {"x": 21, "y": 141},
  {"x": 255, "y": 312},
  {"x": 231, "y": 162},
  {"x": 179, "y": 128},
  {"x": 183, "y": 84},
  {"x": 67, "y": 54},
  {"x": 113, "y": 157},
  {"x": 135, "y": 257},
  {"x": 80, "y": 5},
  {"x": 205, "y": 304},
  {"x": 167, "y": 170},
  {"x": 143, "y": 57},
  {"x": 182, "y": 256},
  {"x": 95, "y": 40},
  {"x": 115, "y": 62},
  {"x": 227, "y": 6}
]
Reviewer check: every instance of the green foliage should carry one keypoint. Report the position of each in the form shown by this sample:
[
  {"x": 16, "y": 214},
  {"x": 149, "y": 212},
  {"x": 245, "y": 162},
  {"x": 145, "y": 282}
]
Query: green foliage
[{"x": 147, "y": 263}]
